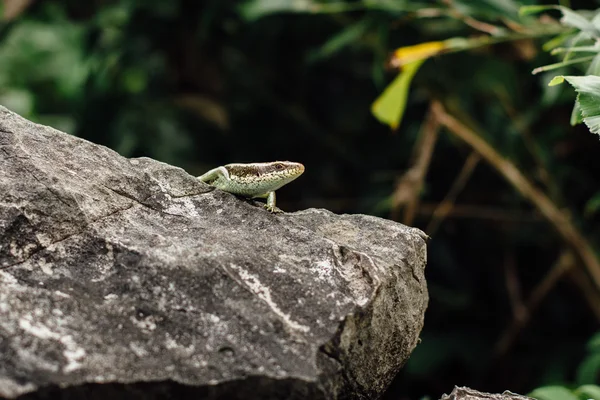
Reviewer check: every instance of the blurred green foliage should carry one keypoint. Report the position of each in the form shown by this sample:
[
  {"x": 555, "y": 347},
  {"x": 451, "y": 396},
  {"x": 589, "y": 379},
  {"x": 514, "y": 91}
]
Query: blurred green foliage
[
  {"x": 587, "y": 373},
  {"x": 585, "y": 392},
  {"x": 202, "y": 83}
]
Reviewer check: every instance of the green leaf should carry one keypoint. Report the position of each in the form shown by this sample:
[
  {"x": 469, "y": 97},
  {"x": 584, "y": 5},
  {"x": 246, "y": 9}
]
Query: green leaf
[
  {"x": 593, "y": 123},
  {"x": 134, "y": 80},
  {"x": 18, "y": 100},
  {"x": 256, "y": 9},
  {"x": 588, "y": 99},
  {"x": 594, "y": 67},
  {"x": 589, "y": 392},
  {"x": 576, "y": 49},
  {"x": 576, "y": 39},
  {"x": 576, "y": 116},
  {"x": 557, "y": 80},
  {"x": 575, "y": 20},
  {"x": 58, "y": 53},
  {"x": 596, "y": 20},
  {"x": 389, "y": 107},
  {"x": 594, "y": 343},
  {"x": 349, "y": 36},
  {"x": 553, "y": 393},
  {"x": 569, "y": 18},
  {"x": 556, "y": 41},
  {"x": 592, "y": 205},
  {"x": 528, "y": 10},
  {"x": 508, "y": 7},
  {"x": 488, "y": 9},
  {"x": 588, "y": 370}
]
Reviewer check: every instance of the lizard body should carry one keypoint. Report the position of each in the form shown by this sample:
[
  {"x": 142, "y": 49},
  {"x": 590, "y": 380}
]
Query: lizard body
[{"x": 255, "y": 180}]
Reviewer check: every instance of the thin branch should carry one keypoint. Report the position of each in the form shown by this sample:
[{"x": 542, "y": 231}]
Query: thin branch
[
  {"x": 479, "y": 25},
  {"x": 520, "y": 319},
  {"x": 551, "y": 67},
  {"x": 513, "y": 285},
  {"x": 529, "y": 141},
  {"x": 559, "y": 220},
  {"x": 14, "y": 8},
  {"x": 409, "y": 186},
  {"x": 445, "y": 207}
]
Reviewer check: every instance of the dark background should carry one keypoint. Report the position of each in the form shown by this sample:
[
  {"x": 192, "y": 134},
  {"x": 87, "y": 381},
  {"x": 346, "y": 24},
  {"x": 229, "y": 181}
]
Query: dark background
[{"x": 199, "y": 84}]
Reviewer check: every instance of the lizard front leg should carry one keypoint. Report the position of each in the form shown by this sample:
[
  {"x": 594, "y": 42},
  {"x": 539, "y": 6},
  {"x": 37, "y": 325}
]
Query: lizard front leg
[{"x": 271, "y": 203}]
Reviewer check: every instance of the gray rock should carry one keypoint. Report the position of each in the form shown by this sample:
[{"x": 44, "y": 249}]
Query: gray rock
[
  {"x": 128, "y": 278},
  {"x": 465, "y": 393}
]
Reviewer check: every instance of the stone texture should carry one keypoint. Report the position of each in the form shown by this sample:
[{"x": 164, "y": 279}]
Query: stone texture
[
  {"x": 128, "y": 278},
  {"x": 465, "y": 393}
]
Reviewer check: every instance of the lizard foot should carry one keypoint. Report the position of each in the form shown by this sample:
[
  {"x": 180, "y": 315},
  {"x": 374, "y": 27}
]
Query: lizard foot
[{"x": 273, "y": 209}]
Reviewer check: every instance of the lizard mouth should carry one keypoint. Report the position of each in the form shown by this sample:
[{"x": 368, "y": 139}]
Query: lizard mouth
[
  {"x": 288, "y": 169},
  {"x": 297, "y": 169}
]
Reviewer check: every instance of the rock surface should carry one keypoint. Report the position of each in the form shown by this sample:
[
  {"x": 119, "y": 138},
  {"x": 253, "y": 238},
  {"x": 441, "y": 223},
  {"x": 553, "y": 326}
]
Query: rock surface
[
  {"x": 465, "y": 393},
  {"x": 128, "y": 278}
]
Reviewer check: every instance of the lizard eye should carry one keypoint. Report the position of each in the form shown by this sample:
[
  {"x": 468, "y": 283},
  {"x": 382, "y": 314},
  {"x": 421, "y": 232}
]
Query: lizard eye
[{"x": 279, "y": 166}]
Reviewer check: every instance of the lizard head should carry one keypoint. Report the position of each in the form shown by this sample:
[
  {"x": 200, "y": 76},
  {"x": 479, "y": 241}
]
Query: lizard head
[
  {"x": 283, "y": 169},
  {"x": 280, "y": 172}
]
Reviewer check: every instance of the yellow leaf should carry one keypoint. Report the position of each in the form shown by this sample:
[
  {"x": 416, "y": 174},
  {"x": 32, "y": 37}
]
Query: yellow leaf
[
  {"x": 557, "y": 80},
  {"x": 389, "y": 107},
  {"x": 409, "y": 54}
]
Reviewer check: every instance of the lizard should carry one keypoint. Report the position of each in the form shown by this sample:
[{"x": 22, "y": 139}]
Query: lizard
[{"x": 255, "y": 180}]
